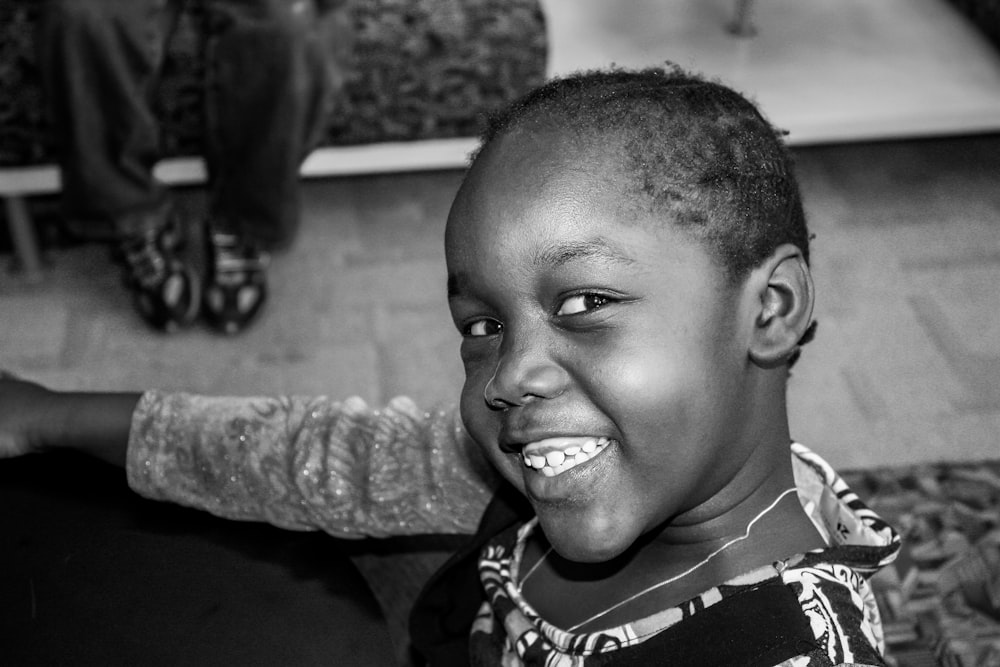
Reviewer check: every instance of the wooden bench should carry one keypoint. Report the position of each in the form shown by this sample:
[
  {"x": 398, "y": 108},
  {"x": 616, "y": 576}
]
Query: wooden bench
[{"x": 18, "y": 183}]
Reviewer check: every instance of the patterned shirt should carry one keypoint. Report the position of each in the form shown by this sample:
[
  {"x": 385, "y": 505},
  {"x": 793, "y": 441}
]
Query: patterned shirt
[{"x": 830, "y": 585}]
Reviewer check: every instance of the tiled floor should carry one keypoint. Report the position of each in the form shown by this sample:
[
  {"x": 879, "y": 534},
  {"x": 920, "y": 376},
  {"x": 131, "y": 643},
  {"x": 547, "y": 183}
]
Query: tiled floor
[{"x": 905, "y": 368}]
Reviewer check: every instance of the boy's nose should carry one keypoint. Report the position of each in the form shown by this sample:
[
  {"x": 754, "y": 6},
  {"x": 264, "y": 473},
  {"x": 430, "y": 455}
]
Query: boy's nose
[{"x": 521, "y": 376}]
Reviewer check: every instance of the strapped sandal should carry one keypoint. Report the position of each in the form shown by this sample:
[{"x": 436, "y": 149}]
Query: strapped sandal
[
  {"x": 165, "y": 289},
  {"x": 236, "y": 285}
]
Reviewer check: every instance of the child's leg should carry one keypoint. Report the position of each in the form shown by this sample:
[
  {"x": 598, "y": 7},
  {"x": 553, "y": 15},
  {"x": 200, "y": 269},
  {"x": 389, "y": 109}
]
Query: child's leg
[
  {"x": 269, "y": 84},
  {"x": 100, "y": 60}
]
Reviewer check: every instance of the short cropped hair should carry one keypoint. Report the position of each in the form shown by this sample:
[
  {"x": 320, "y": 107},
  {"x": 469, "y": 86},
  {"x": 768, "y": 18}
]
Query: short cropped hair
[{"x": 691, "y": 150}]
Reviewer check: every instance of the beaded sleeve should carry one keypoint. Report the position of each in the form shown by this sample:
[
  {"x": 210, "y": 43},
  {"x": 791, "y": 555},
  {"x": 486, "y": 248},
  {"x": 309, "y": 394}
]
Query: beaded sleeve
[{"x": 311, "y": 463}]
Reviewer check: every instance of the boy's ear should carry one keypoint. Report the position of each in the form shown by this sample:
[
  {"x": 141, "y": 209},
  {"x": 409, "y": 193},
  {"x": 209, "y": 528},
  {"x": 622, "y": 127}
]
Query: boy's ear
[{"x": 785, "y": 292}]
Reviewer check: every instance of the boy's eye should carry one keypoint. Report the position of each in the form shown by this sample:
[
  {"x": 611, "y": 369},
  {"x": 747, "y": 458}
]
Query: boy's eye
[
  {"x": 484, "y": 327},
  {"x": 581, "y": 303}
]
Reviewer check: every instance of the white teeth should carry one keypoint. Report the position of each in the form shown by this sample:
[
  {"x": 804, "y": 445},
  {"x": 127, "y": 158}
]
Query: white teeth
[
  {"x": 561, "y": 455},
  {"x": 555, "y": 458}
]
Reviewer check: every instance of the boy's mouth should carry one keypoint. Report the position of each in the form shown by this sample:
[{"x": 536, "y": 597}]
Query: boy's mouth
[{"x": 554, "y": 456}]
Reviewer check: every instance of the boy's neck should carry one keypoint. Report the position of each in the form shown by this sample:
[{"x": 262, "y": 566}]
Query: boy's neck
[{"x": 567, "y": 593}]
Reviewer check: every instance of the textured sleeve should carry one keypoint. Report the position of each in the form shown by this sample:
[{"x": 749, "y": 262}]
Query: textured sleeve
[{"x": 311, "y": 463}]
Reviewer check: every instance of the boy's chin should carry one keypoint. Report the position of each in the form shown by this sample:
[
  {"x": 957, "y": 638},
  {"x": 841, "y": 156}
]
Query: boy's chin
[{"x": 583, "y": 543}]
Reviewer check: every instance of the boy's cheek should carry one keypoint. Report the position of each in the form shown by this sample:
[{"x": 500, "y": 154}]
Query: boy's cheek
[{"x": 483, "y": 425}]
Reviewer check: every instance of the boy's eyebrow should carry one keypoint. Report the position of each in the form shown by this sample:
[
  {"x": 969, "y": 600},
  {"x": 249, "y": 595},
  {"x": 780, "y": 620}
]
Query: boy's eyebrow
[
  {"x": 557, "y": 255},
  {"x": 595, "y": 248}
]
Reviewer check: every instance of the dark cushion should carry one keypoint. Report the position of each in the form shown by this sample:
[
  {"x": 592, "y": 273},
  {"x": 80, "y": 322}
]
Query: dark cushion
[{"x": 92, "y": 574}]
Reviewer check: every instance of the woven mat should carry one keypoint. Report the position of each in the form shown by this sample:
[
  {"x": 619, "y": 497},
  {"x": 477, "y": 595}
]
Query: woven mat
[{"x": 941, "y": 599}]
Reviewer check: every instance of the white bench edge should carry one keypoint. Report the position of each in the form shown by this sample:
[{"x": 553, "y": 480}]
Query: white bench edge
[{"x": 389, "y": 157}]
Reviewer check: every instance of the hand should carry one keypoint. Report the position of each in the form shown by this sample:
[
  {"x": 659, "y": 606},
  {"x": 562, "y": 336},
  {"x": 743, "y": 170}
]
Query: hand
[{"x": 22, "y": 408}]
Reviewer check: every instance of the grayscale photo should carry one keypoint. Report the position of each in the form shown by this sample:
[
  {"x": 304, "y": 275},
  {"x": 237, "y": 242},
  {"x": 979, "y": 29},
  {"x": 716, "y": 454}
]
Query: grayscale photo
[{"x": 514, "y": 333}]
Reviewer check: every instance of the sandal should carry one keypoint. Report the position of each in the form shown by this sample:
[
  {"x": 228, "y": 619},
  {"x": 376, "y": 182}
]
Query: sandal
[
  {"x": 164, "y": 288},
  {"x": 236, "y": 285}
]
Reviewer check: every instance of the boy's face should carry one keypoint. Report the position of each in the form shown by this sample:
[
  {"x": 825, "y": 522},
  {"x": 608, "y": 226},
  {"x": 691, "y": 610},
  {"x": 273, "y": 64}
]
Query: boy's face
[{"x": 604, "y": 347}]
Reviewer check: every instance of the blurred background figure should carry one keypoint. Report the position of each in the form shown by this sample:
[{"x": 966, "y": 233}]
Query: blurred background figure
[{"x": 271, "y": 70}]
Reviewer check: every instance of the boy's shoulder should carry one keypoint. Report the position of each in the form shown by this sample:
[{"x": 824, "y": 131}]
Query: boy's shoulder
[{"x": 858, "y": 536}]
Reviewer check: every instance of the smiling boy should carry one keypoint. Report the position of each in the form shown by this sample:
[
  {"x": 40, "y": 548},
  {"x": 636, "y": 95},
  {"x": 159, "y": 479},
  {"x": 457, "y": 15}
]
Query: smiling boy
[
  {"x": 628, "y": 267},
  {"x": 588, "y": 320}
]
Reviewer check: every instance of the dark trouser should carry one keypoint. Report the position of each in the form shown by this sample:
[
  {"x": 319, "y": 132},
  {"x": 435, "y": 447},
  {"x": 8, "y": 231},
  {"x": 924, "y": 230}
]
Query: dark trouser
[{"x": 268, "y": 81}]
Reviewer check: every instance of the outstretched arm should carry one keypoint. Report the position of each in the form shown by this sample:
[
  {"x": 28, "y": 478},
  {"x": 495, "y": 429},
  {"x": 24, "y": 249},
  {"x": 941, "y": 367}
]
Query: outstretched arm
[
  {"x": 35, "y": 419},
  {"x": 297, "y": 462},
  {"x": 311, "y": 463}
]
